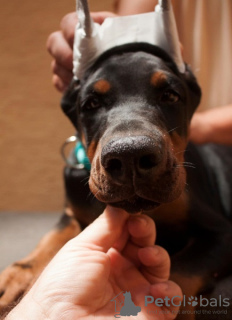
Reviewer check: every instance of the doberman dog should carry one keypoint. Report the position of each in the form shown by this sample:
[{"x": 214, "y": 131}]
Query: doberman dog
[{"x": 132, "y": 110}]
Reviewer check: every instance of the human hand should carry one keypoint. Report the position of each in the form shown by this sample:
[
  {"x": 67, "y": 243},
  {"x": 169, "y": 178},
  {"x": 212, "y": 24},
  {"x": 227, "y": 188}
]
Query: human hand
[
  {"x": 60, "y": 46},
  {"x": 115, "y": 253}
]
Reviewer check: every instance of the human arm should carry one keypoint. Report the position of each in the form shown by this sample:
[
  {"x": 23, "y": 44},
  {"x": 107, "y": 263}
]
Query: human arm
[{"x": 214, "y": 125}]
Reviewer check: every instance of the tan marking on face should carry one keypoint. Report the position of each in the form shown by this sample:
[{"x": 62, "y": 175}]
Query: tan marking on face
[
  {"x": 158, "y": 79},
  {"x": 91, "y": 150},
  {"x": 179, "y": 145},
  {"x": 102, "y": 86},
  {"x": 83, "y": 140}
]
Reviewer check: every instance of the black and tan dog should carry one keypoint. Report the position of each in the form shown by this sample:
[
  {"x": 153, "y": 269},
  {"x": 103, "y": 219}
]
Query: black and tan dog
[{"x": 132, "y": 111}]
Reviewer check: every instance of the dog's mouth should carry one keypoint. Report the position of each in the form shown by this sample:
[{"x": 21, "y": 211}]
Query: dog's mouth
[{"x": 135, "y": 204}]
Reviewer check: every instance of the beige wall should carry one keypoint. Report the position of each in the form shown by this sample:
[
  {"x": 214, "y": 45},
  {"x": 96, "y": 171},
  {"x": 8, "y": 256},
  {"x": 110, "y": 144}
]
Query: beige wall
[{"x": 32, "y": 126}]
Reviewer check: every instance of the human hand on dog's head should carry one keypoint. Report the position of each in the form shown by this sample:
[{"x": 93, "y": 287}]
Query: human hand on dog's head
[
  {"x": 60, "y": 46},
  {"x": 115, "y": 253}
]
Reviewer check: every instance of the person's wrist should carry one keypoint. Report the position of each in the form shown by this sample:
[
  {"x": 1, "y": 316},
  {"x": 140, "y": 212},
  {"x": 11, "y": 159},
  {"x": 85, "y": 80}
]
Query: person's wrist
[{"x": 27, "y": 309}]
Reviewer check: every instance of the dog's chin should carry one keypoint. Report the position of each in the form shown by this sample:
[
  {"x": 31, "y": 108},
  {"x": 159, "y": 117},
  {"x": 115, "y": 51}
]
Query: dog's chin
[{"x": 135, "y": 204}]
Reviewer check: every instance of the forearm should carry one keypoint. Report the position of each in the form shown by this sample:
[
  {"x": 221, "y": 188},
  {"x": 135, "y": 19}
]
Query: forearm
[{"x": 214, "y": 125}]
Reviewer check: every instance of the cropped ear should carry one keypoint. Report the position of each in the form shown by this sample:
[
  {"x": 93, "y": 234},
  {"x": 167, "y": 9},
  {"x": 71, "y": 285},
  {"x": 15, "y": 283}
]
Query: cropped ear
[
  {"x": 194, "y": 90},
  {"x": 69, "y": 101}
]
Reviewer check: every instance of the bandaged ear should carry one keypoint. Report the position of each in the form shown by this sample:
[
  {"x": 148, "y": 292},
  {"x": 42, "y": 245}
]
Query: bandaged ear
[{"x": 156, "y": 28}]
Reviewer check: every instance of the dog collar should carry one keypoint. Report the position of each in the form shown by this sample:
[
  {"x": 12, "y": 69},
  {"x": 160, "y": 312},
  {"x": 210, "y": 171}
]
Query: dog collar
[
  {"x": 81, "y": 156},
  {"x": 156, "y": 28},
  {"x": 78, "y": 158}
]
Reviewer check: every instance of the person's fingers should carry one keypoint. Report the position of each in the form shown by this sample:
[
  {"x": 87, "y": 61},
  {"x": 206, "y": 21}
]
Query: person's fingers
[
  {"x": 182, "y": 49},
  {"x": 99, "y": 17},
  {"x": 122, "y": 241},
  {"x": 142, "y": 234},
  {"x": 124, "y": 273},
  {"x": 171, "y": 293},
  {"x": 104, "y": 231},
  {"x": 59, "y": 83},
  {"x": 142, "y": 230},
  {"x": 69, "y": 21},
  {"x": 61, "y": 72},
  {"x": 60, "y": 44},
  {"x": 68, "y": 24},
  {"x": 156, "y": 263},
  {"x": 59, "y": 49}
]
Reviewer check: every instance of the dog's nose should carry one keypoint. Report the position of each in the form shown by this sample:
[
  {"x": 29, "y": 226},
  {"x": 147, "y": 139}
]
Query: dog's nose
[{"x": 128, "y": 156}]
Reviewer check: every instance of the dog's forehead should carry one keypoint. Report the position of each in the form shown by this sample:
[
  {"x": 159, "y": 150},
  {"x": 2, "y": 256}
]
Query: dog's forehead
[{"x": 131, "y": 65}]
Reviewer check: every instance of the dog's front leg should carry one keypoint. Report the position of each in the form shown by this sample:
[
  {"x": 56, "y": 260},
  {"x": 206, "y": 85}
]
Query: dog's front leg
[{"x": 19, "y": 277}]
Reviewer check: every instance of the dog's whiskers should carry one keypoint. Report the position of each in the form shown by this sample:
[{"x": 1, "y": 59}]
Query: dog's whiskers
[
  {"x": 173, "y": 129},
  {"x": 185, "y": 165},
  {"x": 91, "y": 196},
  {"x": 180, "y": 152},
  {"x": 186, "y": 187},
  {"x": 85, "y": 179},
  {"x": 95, "y": 194}
]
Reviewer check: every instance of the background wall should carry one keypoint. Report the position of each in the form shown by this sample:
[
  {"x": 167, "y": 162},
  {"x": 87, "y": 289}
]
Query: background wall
[{"x": 32, "y": 126}]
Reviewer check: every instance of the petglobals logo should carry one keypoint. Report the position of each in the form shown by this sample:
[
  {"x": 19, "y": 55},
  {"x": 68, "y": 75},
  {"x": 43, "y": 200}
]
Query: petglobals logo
[
  {"x": 193, "y": 301},
  {"x": 202, "y": 302},
  {"x": 124, "y": 305},
  {"x": 123, "y": 301}
]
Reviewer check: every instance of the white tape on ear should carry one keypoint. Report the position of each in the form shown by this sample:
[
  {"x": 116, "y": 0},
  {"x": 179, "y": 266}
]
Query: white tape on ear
[
  {"x": 156, "y": 28},
  {"x": 167, "y": 35}
]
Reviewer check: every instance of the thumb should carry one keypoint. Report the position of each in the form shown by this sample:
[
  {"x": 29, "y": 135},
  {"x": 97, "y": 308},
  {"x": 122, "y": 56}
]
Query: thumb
[{"x": 104, "y": 231}]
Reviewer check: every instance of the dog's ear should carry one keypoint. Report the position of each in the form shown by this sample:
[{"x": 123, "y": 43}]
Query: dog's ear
[
  {"x": 69, "y": 101},
  {"x": 194, "y": 90}
]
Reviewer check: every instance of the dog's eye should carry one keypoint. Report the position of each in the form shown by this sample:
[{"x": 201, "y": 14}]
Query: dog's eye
[
  {"x": 170, "y": 96},
  {"x": 92, "y": 104}
]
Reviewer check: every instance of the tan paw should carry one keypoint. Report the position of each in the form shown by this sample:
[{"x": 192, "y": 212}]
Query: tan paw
[{"x": 14, "y": 282}]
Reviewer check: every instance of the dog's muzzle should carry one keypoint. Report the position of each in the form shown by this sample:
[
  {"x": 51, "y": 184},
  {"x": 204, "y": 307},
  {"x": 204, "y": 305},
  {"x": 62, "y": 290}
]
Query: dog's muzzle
[{"x": 136, "y": 172}]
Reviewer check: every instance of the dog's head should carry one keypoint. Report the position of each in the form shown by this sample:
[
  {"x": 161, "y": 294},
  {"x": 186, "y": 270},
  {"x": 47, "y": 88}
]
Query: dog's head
[{"x": 133, "y": 109}]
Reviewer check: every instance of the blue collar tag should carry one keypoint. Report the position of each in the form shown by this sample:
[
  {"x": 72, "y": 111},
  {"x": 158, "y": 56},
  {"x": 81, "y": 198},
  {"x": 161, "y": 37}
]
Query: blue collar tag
[{"x": 81, "y": 156}]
